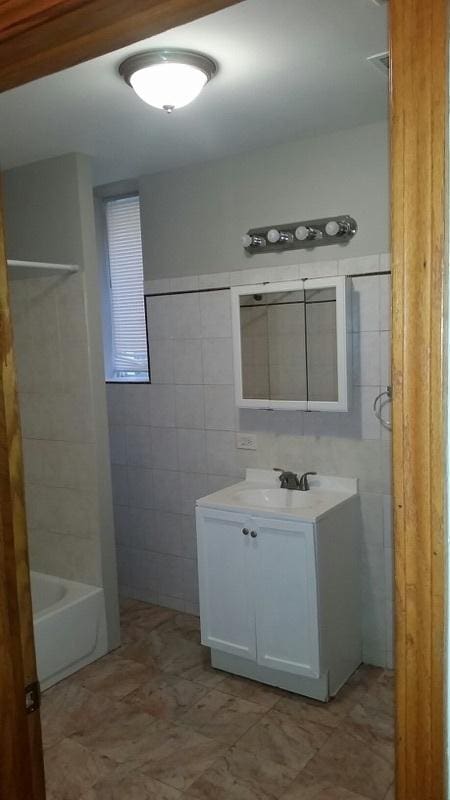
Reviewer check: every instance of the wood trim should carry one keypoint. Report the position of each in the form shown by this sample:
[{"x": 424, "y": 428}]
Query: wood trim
[
  {"x": 77, "y": 30},
  {"x": 21, "y": 768},
  {"x": 419, "y": 86}
]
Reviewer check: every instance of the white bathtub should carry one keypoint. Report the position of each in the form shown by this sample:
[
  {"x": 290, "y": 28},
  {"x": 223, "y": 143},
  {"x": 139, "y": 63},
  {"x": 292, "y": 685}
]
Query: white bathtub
[{"x": 69, "y": 626}]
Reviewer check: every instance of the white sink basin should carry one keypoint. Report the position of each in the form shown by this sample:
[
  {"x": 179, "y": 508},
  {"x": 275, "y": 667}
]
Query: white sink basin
[
  {"x": 261, "y": 494},
  {"x": 274, "y": 498}
]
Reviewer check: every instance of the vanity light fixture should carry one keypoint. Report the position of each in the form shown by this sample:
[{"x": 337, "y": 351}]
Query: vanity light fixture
[
  {"x": 300, "y": 235},
  {"x": 168, "y": 79}
]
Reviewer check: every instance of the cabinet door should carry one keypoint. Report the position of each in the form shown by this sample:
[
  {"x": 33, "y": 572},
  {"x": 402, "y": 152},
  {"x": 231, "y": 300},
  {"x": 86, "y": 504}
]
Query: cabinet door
[
  {"x": 227, "y": 610},
  {"x": 286, "y": 597}
]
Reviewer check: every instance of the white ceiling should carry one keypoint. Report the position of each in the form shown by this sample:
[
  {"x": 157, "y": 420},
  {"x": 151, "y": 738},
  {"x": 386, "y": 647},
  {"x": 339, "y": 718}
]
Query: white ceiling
[{"x": 287, "y": 69}]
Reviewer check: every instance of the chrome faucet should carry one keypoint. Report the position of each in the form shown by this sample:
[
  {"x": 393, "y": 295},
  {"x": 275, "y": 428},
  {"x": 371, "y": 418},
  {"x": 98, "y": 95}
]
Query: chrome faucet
[
  {"x": 303, "y": 483},
  {"x": 290, "y": 480}
]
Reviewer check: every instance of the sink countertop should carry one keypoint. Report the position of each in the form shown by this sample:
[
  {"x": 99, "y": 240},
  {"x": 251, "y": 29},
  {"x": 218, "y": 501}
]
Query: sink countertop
[{"x": 258, "y": 494}]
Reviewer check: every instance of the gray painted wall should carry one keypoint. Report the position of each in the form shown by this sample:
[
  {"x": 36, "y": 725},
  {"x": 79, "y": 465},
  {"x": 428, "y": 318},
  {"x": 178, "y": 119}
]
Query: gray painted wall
[{"x": 192, "y": 219}]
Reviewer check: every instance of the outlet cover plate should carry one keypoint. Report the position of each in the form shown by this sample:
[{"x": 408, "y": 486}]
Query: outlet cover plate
[{"x": 246, "y": 441}]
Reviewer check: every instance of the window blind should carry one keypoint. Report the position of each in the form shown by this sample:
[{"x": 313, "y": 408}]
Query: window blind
[{"x": 129, "y": 336}]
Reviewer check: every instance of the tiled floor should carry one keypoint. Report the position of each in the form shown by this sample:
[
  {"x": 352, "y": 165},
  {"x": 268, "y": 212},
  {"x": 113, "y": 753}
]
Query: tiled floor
[{"x": 153, "y": 721}]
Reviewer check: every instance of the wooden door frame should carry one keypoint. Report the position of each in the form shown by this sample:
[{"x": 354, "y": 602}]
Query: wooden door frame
[{"x": 54, "y": 34}]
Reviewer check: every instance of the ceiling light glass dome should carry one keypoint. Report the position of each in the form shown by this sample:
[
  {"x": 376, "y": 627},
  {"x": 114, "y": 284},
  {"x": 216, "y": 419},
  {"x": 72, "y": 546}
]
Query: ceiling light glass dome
[{"x": 168, "y": 79}]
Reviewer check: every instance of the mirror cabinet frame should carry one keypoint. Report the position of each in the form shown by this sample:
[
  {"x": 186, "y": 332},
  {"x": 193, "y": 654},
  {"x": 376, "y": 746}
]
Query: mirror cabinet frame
[{"x": 343, "y": 343}]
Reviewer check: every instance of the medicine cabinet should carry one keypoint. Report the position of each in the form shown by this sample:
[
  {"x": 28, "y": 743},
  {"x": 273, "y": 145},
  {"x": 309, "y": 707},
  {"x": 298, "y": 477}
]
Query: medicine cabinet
[{"x": 291, "y": 346}]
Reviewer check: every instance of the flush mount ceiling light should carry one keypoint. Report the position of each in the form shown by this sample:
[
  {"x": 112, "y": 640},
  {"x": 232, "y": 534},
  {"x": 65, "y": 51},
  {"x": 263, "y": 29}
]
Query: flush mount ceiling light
[{"x": 168, "y": 79}]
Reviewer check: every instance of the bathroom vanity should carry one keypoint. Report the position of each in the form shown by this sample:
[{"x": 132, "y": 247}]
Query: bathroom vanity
[{"x": 279, "y": 581}]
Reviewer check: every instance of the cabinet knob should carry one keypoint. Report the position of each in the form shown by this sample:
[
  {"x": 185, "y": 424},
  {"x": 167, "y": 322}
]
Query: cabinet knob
[
  {"x": 253, "y": 534},
  {"x": 245, "y": 531}
]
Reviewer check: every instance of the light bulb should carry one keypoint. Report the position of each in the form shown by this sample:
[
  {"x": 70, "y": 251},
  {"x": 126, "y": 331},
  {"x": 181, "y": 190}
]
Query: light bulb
[
  {"x": 302, "y": 233},
  {"x": 246, "y": 240},
  {"x": 273, "y": 235},
  {"x": 333, "y": 228}
]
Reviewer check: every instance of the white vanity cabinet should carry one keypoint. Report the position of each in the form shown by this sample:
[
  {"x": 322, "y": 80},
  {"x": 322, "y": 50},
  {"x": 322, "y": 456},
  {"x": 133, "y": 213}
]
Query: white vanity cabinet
[{"x": 279, "y": 597}]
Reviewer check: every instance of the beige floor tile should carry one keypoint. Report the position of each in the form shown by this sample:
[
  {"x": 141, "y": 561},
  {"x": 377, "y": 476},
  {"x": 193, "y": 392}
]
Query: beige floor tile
[
  {"x": 178, "y": 756},
  {"x": 167, "y": 651},
  {"x": 138, "y": 621},
  {"x": 222, "y": 717},
  {"x": 239, "y": 775},
  {"x": 67, "y": 708},
  {"x": 374, "y": 729},
  {"x": 278, "y": 738},
  {"x": 154, "y": 721},
  {"x": 185, "y": 625},
  {"x": 307, "y": 787},
  {"x": 71, "y": 770},
  {"x": 391, "y": 793},
  {"x": 124, "y": 736},
  {"x": 133, "y": 786},
  {"x": 204, "y": 673},
  {"x": 112, "y": 676},
  {"x": 169, "y": 701},
  {"x": 348, "y": 762},
  {"x": 265, "y": 696}
]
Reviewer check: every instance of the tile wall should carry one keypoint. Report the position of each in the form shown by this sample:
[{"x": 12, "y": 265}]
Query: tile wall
[
  {"x": 51, "y": 348},
  {"x": 175, "y": 440}
]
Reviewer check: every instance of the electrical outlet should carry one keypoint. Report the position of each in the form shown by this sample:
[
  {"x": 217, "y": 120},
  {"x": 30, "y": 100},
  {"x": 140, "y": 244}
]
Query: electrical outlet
[{"x": 246, "y": 441}]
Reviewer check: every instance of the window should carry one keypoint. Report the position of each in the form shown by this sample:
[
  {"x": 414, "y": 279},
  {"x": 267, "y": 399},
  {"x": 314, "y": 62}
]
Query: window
[{"x": 128, "y": 356}]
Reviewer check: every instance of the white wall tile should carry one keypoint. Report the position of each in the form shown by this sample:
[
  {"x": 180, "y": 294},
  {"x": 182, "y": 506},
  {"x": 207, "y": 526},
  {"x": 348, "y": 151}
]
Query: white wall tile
[
  {"x": 185, "y": 316},
  {"x": 366, "y": 359},
  {"x": 187, "y": 361},
  {"x": 161, "y": 317},
  {"x": 166, "y": 490},
  {"x": 164, "y": 448},
  {"x": 170, "y": 575},
  {"x": 193, "y": 486},
  {"x": 221, "y": 453},
  {"x": 385, "y": 302},
  {"x": 169, "y": 535},
  {"x": 366, "y": 303},
  {"x": 116, "y": 402},
  {"x": 187, "y": 283},
  {"x": 215, "y": 314},
  {"x": 358, "y": 266},
  {"x": 139, "y": 446},
  {"x": 140, "y": 487},
  {"x": 117, "y": 444},
  {"x": 220, "y": 408},
  {"x": 189, "y": 407},
  {"x": 214, "y": 280},
  {"x": 318, "y": 269},
  {"x": 137, "y": 402},
  {"x": 161, "y": 361},
  {"x": 119, "y": 477},
  {"x": 217, "y": 361},
  {"x": 191, "y": 450},
  {"x": 387, "y": 521},
  {"x": 196, "y": 369},
  {"x": 385, "y": 358},
  {"x": 372, "y": 519},
  {"x": 188, "y": 536},
  {"x": 162, "y": 406}
]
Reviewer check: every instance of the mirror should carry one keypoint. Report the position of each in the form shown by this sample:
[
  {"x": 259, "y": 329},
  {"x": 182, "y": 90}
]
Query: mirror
[{"x": 291, "y": 345}]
